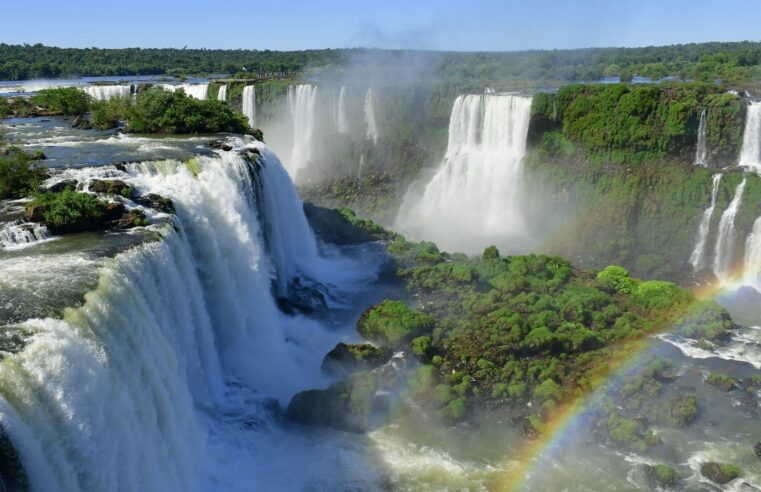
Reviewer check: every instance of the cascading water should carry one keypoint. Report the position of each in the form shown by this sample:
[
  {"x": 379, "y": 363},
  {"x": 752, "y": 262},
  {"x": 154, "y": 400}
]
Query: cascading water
[
  {"x": 342, "y": 123},
  {"x": 725, "y": 242},
  {"x": 697, "y": 258},
  {"x": 222, "y": 94},
  {"x": 752, "y": 264},
  {"x": 372, "y": 127},
  {"x": 701, "y": 153},
  {"x": 106, "y": 92},
  {"x": 472, "y": 200},
  {"x": 197, "y": 91},
  {"x": 750, "y": 155},
  {"x": 19, "y": 234},
  {"x": 129, "y": 391},
  {"x": 301, "y": 102},
  {"x": 249, "y": 103}
]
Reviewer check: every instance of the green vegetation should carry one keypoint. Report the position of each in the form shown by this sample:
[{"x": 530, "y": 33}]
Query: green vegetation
[
  {"x": 64, "y": 100},
  {"x": 68, "y": 210},
  {"x": 633, "y": 124},
  {"x": 393, "y": 322},
  {"x": 20, "y": 174},
  {"x": 720, "y": 473},
  {"x": 721, "y": 381}
]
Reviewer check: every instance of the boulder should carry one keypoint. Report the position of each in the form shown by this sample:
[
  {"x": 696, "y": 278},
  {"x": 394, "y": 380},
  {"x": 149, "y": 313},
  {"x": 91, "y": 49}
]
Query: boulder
[
  {"x": 112, "y": 187},
  {"x": 34, "y": 213},
  {"x": 345, "y": 358},
  {"x": 757, "y": 449},
  {"x": 220, "y": 145},
  {"x": 746, "y": 487},
  {"x": 121, "y": 166},
  {"x": 82, "y": 123},
  {"x": 659, "y": 476},
  {"x": 132, "y": 218},
  {"x": 719, "y": 472},
  {"x": 156, "y": 202},
  {"x": 63, "y": 185}
]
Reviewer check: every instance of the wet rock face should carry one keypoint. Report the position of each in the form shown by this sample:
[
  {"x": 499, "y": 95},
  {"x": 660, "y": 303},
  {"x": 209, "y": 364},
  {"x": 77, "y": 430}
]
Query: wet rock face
[
  {"x": 112, "y": 187},
  {"x": 156, "y": 202},
  {"x": 718, "y": 472},
  {"x": 63, "y": 185},
  {"x": 345, "y": 358},
  {"x": 757, "y": 449}
]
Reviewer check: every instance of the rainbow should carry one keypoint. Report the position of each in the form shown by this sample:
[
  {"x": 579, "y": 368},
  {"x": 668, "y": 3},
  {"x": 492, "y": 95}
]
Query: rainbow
[{"x": 567, "y": 419}]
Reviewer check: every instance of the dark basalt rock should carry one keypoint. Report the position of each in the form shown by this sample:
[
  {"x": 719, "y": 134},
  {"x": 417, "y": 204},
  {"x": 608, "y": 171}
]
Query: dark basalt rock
[
  {"x": 112, "y": 187},
  {"x": 302, "y": 298},
  {"x": 757, "y": 449},
  {"x": 82, "y": 123},
  {"x": 220, "y": 145},
  {"x": 121, "y": 166},
  {"x": 659, "y": 478},
  {"x": 34, "y": 213},
  {"x": 132, "y": 218},
  {"x": 345, "y": 359},
  {"x": 156, "y": 202},
  {"x": 13, "y": 477},
  {"x": 716, "y": 472},
  {"x": 63, "y": 185}
]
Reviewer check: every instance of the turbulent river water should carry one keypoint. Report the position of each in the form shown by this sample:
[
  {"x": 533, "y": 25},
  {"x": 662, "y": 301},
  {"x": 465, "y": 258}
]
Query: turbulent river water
[{"x": 156, "y": 359}]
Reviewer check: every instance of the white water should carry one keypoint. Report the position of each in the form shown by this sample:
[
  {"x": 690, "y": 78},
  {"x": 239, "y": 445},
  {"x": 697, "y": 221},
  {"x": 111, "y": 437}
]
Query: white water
[
  {"x": 725, "y": 242},
  {"x": 197, "y": 91},
  {"x": 372, "y": 127},
  {"x": 174, "y": 352},
  {"x": 752, "y": 264},
  {"x": 702, "y": 150},
  {"x": 750, "y": 155},
  {"x": 341, "y": 118},
  {"x": 301, "y": 102},
  {"x": 249, "y": 103},
  {"x": 106, "y": 92},
  {"x": 19, "y": 234},
  {"x": 697, "y": 258},
  {"x": 472, "y": 200},
  {"x": 222, "y": 94}
]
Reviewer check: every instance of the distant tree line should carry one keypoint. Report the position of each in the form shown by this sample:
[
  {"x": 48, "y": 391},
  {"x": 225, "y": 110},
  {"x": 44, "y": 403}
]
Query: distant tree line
[{"x": 737, "y": 62}]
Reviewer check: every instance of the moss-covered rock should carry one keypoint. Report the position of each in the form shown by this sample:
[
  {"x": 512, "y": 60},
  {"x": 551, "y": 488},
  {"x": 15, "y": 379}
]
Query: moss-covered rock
[
  {"x": 393, "y": 323},
  {"x": 348, "y": 358},
  {"x": 721, "y": 381},
  {"x": 720, "y": 473},
  {"x": 660, "y": 476}
]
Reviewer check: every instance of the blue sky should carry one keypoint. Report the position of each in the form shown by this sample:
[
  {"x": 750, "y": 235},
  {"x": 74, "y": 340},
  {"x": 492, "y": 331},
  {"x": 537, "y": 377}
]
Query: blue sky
[{"x": 423, "y": 24}]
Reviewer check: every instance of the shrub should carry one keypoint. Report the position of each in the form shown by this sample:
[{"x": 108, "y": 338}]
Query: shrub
[
  {"x": 63, "y": 100},
  {"x": 548, "y": 390},
  {"x": 615, "y": 278},
  {"x": 69, "y": 209},
  {"x": 19, "y": 175},
  {"x": 393, "y": 322}
]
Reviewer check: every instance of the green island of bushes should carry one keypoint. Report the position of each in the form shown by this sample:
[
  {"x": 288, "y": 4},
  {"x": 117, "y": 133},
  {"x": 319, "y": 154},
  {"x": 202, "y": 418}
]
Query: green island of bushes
[{"x": 494, "y": 331}]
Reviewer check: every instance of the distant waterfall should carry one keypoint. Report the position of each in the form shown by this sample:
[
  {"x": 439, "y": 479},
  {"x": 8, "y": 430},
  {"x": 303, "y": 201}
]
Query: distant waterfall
[
  {"x": 752, "y": 265},
  {"x": 702, "y": 150},
  {"x": 249, "y": 103},
  {"x": 121, "y": 392},
  {"x": 697, "y": 258},
  {"x": 197, "y": 91},
  {"x": 106, "y": 92},
  {"x": 301, "y": 102},
  {"x": 372, "y": 127},
  {"x": 222, "y": 94},
  {"x": 725, "y": 243},
  {"x": 750, "y": 155},
  {"x": 472, "y": 200},
  {"x": 341, "y": 119},
  {"x": 19, "y": 234}
]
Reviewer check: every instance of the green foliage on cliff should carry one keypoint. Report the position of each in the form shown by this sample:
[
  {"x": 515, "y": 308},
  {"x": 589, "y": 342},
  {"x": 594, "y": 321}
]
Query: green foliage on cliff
[
  {"x": 632, "y": 124},
  {"x": 393, "y": 322},
  {"x": 69, "y": 208}
]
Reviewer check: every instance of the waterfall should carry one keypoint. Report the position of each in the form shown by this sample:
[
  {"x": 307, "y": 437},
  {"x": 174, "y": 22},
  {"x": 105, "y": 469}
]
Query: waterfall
[
  {"x": 249, "y": 103},
  {"x": 197, "y": 91},
  {"x": 752, "y": 265},
  {"x": 341, "y": 120},
  {"x": 106, "y": 92},
  {"x": 222, "y": 94},
  {"x": 697, "y": 258},
  {"x": 19, "y": 234},
  {"x": 301, "y": 102},
  {"x": 472, "y": 200},
  {"x": 725, "y": 243},
  {"x": 123, "y": 392},
  {"x": 702, "y": 151},
  {"x": 750, "y": 155},
  {"x": 372, "y": 127}
]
